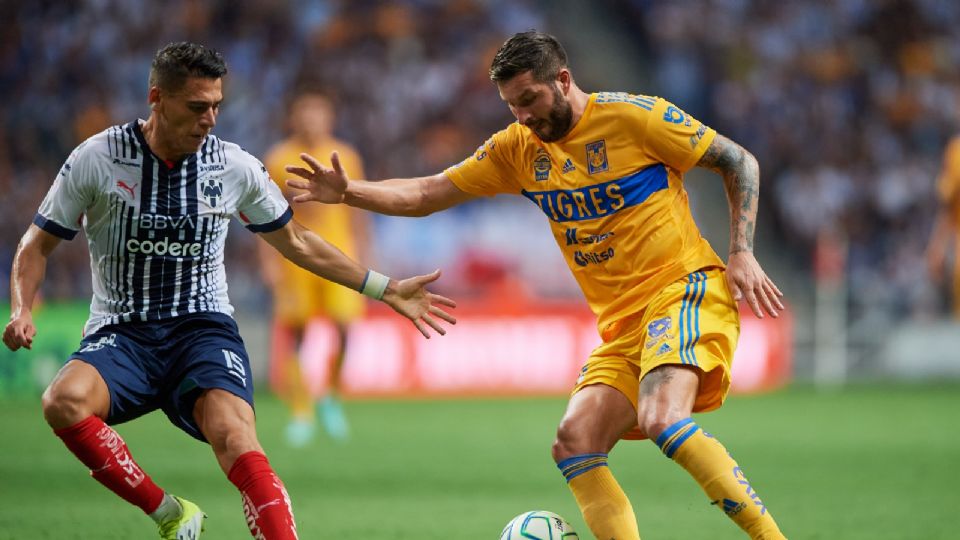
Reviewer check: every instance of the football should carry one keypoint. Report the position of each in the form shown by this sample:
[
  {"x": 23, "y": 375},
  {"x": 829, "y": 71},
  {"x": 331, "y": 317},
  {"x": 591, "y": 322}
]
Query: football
[{"x": 538, "y": 525}]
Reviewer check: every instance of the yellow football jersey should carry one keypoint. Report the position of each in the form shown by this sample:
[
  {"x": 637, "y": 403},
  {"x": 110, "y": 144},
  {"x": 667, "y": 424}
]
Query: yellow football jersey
[
  {"x": 613, "y": 191},
  {"x": 303, "y": 294},
  {"x": 949, "y": 182},
  {"x": 331, "y": 221}
]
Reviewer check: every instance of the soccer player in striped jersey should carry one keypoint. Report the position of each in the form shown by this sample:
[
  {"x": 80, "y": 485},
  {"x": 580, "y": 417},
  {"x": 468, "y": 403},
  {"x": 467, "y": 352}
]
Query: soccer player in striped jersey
[
  {"x": 155, "y": 198},
  {"x": 607, "y": 171}
]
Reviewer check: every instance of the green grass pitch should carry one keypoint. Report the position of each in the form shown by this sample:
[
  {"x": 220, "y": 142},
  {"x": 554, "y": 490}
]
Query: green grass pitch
[{"x": 871, "y": 462}]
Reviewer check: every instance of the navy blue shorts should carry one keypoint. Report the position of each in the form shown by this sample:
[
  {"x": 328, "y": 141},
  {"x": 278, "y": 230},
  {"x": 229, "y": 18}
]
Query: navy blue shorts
[{"x": 167, "y": 364}]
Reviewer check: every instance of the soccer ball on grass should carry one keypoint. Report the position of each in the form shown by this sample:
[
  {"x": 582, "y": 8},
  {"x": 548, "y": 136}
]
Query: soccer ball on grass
[{"x": 538, "y": 525}]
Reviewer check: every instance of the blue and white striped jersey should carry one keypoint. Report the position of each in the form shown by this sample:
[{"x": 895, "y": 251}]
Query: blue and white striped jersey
[{"x": 157, "y": 233}]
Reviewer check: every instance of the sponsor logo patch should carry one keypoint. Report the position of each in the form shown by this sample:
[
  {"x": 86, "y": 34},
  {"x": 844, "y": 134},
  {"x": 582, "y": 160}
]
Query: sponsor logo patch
[
  {"x": 541, "y": 166},
  {"x": 574, "y": 239},
  {"x": 695, "y": 138},
  {"x": 583, "y": 258}
]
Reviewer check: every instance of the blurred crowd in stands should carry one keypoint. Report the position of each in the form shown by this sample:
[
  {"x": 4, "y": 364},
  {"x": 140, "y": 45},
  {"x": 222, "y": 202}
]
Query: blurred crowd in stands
[
  {"x": 846, "y": 103},
  {"x": 409, "y": 80}
]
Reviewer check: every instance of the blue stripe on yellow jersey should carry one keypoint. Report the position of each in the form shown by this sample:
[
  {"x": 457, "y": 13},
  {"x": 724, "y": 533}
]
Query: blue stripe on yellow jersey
[{"x": 591, "y": 202}]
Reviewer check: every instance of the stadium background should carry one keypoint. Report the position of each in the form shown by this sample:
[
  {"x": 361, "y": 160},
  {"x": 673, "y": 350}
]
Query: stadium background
[{"x": 847, "y": 104}]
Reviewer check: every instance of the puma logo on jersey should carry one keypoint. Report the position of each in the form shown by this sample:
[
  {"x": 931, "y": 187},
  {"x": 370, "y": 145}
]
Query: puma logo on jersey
[{"x": 127, "y": 187}]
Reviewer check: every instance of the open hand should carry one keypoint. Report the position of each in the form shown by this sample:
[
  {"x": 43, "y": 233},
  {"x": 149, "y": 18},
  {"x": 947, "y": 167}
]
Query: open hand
[
  {"x": 322, "y": 184},
  {"x": 410, "y": 298},
  {"x": 748, "y": 281}
]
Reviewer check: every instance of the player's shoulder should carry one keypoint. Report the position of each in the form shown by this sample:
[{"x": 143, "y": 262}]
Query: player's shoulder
[
  {"x": 341, "y": 145},
  {"x": 507, "y": 141},
  {"x": 236, "y": 159},
  {"x": 281, "y": 150},
  {"x": 514, "y": 135},
  {"x": 511, "y": 142},
  {"x": 113, "y": 147},
  {"x": 626, "y": 103},
  {"x": 108, "y": 144}
]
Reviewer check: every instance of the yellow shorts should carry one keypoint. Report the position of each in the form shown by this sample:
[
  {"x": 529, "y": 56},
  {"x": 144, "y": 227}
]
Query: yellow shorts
[
  {"x": 302, "y": 296},
  {"x": 692, "y": 322}
]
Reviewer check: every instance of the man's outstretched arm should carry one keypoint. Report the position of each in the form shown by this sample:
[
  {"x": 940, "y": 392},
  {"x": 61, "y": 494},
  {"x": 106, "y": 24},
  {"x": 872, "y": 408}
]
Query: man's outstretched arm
[
  {"x": 408, "y": 297},
  {"x": 741, "y": 180},
  {"x": 412, "y": 197}
]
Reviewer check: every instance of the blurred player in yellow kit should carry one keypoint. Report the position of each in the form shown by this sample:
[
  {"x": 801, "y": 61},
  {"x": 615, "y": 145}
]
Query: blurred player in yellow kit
[
  {"x": 298, "y": 295},
  {"x": 947, "y": 224},
  {"x": 607, "y": 171}
]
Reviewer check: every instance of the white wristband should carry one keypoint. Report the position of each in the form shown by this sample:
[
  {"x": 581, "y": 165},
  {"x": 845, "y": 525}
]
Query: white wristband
[{"x": 374, "y": 284}]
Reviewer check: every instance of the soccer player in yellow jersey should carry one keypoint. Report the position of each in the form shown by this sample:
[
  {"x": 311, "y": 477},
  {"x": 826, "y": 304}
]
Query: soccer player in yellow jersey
[
  {"x": 947, "y": 222},
  {"x": 607, "y": 171},
  {"x": 298, "y": 295}
]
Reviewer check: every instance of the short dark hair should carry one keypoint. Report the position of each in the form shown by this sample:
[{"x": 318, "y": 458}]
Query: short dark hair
[
  {"x": 176, "y": 62},
  {"x": 531, "y": 51}
]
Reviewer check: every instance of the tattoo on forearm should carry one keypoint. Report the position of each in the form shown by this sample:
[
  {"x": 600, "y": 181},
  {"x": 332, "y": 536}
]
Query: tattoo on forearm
[{"x": 741, "y": 180}]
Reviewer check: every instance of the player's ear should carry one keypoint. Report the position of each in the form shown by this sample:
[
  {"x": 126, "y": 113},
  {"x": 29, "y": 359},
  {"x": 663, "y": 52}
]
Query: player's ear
[
  {"x": 565, "y": 80},
  {"x": 153, "y": 96}
]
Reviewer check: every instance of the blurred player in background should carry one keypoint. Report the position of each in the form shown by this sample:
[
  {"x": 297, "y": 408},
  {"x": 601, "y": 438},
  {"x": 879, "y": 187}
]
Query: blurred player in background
[
  {"x": 299, "y": 296},
  {"x": 607, "y": 170},
  {"x": 155, "y": 199},
  {"x": 945, "y": 237}
]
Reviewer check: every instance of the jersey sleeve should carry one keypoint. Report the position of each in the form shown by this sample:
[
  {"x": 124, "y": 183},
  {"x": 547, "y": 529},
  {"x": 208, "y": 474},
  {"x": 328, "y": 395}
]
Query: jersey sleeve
[
  {"x": 675, "y": 138},
  {"x": 491, "y": 169},
  {"x": 264, "y": 208},
  {"x": 72, "y": 192},
  {"x": 949, "y": 181}
]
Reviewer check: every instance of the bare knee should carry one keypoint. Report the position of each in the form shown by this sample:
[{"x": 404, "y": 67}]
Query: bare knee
[
  {"x": 76, "y": 393},
  {"x": 230, "y": 439},
  {"x": 653, "y": 424},
  {"x": 595, "y": 419},
  {"x": 667, "y": 395},
  {"x": 235, "y": 440},
  {"x": 570, "y": 441},
  {"x": 228, "y": 424}
]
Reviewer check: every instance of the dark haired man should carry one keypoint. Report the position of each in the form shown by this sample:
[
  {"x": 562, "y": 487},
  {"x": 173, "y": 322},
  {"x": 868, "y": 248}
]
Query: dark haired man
[
  {"x": 607, "y": 170},
  {"x": 155, "y": 199}
]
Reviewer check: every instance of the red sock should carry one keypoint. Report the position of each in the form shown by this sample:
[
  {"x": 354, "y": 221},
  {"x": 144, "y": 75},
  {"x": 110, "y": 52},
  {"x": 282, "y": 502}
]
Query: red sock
[
  {"x": 266, "y": 504},
  {"x": 102, "y": 450}
]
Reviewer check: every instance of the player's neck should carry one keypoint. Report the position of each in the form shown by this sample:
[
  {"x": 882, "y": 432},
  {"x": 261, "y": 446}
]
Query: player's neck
[
  {"x": 307, "y": 140},
  {"x": 578, "y": 103},
  {"x": 158, "y": 145}
]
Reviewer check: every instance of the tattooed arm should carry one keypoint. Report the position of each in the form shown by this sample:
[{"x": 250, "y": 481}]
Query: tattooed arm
[{"x": 741, "y": 180}]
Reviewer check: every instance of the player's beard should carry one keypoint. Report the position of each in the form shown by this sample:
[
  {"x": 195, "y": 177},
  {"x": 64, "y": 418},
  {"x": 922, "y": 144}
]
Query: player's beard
[{"x": 558, "y": 123}]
